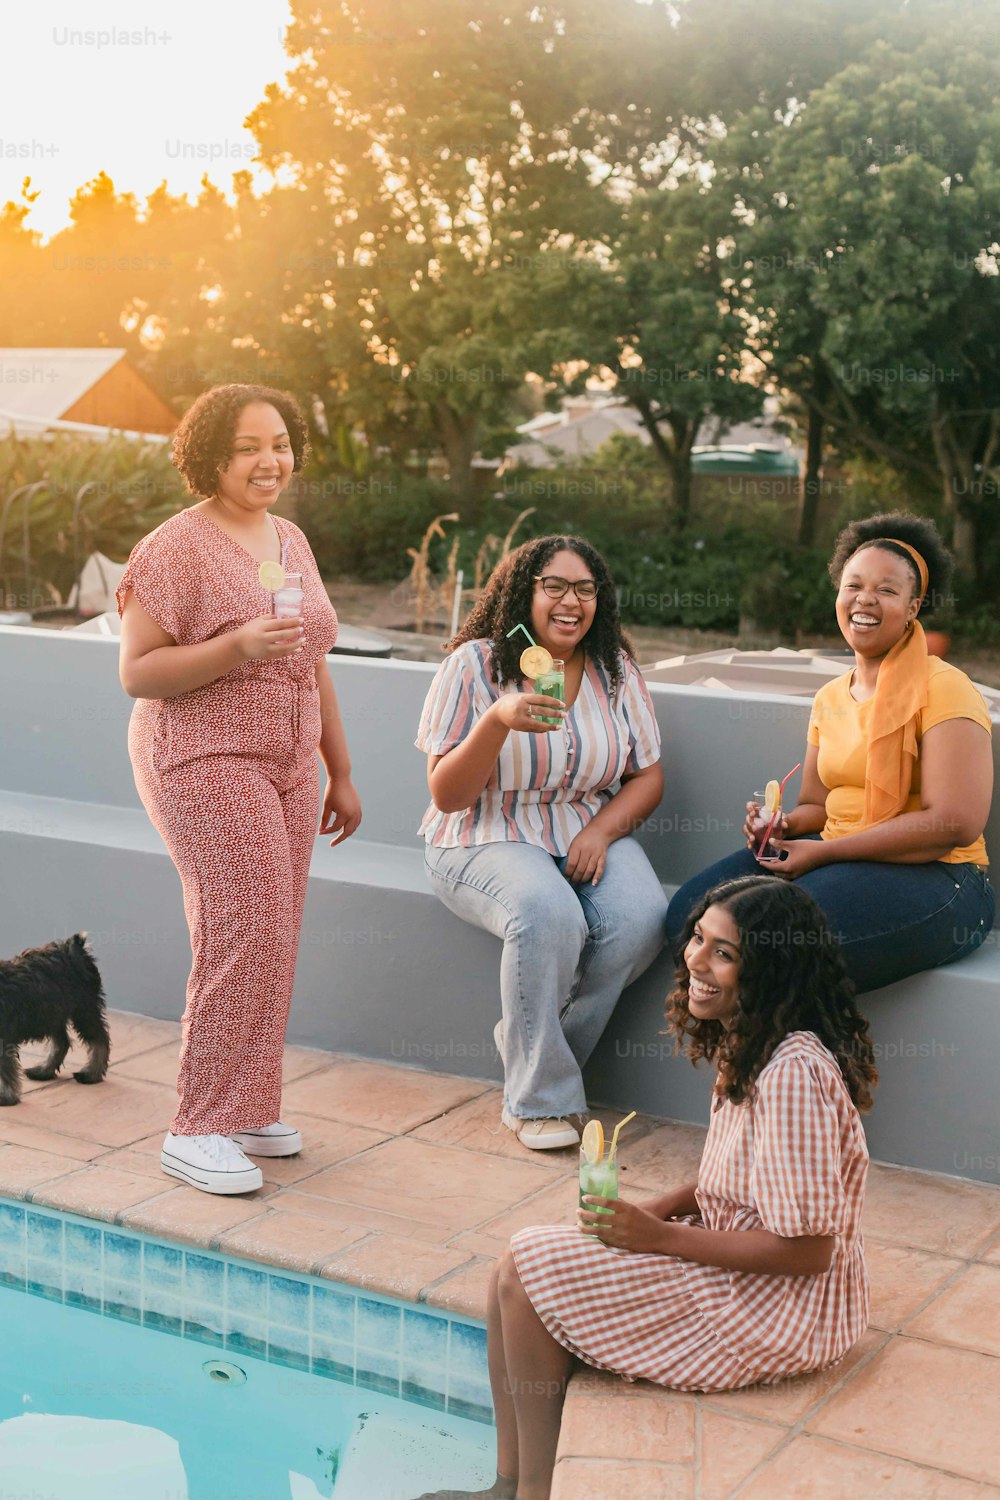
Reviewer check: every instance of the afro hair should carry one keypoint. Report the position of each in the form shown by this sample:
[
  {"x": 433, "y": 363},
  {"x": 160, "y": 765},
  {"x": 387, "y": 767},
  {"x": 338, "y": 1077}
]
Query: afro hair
[
  {"x": 900, "y": 526},
  {"x": 203, "y": 442}
]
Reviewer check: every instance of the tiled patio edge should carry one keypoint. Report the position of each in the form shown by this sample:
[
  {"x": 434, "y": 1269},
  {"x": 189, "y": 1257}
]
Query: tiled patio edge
[{"x": 436, "y": 1292}]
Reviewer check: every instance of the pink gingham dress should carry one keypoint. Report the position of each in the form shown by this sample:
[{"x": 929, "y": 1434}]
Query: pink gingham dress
[{"x": 793, "y": 1161}]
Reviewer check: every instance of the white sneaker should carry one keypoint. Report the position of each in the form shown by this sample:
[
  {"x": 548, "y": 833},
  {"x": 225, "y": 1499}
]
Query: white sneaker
[
  {"x": 213, "y": 1163},
  {"x": 542, "y": 1135},
  {"x": 269, "y": 1140}
]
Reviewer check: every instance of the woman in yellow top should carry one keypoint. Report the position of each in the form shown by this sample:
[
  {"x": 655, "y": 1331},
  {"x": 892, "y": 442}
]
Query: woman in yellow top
[{"x": 887, "y": 835}]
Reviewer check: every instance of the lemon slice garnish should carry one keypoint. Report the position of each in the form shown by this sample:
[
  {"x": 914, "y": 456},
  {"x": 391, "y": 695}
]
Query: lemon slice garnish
[
  {"x": 592, "y": 1141},
  {"x": 772, "y": 796},
  {"x": 535, "y": 661},
  {"x": 271, "y": 575}
]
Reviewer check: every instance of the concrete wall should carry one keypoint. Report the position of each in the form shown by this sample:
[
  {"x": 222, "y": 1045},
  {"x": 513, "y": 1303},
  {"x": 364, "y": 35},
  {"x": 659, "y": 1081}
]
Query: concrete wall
[{"x": 384, "y": 971}]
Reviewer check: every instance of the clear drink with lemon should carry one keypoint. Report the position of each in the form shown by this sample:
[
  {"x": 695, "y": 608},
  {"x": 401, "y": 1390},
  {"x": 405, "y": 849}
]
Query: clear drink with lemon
[
  {"x": 548, "y": 674},
  {"x": 552, "y": 684}
]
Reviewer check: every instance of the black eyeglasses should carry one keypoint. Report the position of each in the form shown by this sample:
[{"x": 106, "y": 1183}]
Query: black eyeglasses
[{"x": 555, "y": 587}]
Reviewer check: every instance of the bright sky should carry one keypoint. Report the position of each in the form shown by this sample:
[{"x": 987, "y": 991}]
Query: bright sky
[{"x": 141, "y": 91}]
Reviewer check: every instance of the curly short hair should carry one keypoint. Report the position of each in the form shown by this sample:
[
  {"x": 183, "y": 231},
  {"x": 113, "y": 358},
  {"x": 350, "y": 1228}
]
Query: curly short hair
[
  {"x": 203, "y": 442},
  {"x": 916, "y": 531},
  {"x": 792, "y": 977},
  {"x": 506, "y": 602}
]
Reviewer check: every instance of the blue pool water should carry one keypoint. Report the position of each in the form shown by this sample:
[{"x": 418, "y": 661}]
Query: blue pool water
[{"x": 110, "y": 1341}]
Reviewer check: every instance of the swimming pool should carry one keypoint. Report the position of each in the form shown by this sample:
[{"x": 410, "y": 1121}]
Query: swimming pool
[{"x": 133, "y": 1367}]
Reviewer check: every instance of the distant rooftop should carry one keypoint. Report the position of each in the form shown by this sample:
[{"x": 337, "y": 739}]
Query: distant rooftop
[
  {"x": 583, "y": 423},
  {"x": 47, "y": 382},
  {"x": 90, "y": 392}
]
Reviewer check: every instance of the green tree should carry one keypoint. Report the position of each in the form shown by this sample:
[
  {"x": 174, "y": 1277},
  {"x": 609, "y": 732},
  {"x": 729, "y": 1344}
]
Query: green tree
[
  {"x": 885, "y": 201},
  {"x": 438, "y": 151},
  {"x": 658, "y": 313}
]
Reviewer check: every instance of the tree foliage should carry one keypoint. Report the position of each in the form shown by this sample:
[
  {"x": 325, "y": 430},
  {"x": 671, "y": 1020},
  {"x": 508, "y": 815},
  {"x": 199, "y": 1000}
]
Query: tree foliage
[{"x": 699, "y": 202}]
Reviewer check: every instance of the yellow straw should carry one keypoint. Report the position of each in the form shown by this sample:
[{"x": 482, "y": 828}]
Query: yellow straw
[
  {"x": 520, "y": 627},
  {"x": 614, "y": 1138}
]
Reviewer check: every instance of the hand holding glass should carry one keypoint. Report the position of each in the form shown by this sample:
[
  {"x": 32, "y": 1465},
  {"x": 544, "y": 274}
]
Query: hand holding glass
[{"x": 598, "y": 1179}]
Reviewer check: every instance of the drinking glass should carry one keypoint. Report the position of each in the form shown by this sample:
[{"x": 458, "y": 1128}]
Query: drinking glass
[
  {"x": 286, "y": 602},
  {"x": 552, "y": 684},
  {"x": 600, "y": 1180}
]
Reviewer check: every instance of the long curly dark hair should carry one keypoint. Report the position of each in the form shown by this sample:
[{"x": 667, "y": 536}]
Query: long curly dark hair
[
  {"x": 203, "y": 442},
  {"x": 916, "y": 531},
  {"x": 506, "y": 602},
  {"x": 792, "y": 977}
]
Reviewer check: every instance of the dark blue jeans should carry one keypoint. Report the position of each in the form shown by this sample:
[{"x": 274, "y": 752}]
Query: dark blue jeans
[{"x": 891, "y": 920}]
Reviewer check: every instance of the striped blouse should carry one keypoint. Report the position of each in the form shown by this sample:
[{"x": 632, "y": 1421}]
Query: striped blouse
[{"x": 545, "y": 787}]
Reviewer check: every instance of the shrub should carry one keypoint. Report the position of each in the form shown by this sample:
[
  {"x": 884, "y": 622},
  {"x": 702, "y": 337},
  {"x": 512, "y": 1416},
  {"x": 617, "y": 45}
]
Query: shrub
[
  {"x": 361, "y": 526},
  {"x": 131, "y": 488}
]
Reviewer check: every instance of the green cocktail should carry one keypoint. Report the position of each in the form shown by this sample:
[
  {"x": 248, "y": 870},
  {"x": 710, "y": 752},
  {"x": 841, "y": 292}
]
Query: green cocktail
[
  {"x": 552, "y": 684},
  {"x": 599, "y": 1179}
]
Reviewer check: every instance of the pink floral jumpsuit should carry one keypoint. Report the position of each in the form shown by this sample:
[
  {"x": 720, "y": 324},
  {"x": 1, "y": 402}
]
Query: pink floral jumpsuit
[{"x": 228, "y": 775}]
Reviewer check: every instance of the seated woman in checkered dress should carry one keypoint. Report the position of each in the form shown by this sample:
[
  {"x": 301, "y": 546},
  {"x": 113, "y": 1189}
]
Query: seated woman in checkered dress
[{"x": 756, "y": 1271}]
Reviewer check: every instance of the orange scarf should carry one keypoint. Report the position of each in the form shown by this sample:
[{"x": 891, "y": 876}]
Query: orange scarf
[{"x": 900, "y": 694}]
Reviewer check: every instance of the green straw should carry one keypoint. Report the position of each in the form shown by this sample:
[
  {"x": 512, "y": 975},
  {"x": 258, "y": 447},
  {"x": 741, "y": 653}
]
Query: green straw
[{"x": 520, "y": 627}]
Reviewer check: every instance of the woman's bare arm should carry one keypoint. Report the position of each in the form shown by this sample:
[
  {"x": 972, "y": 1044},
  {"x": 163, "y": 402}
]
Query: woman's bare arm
[
  {"x": 640, "y": 794},
  {"x": 956, "y": 788},
  {"x": 809, "y": 813},
  {"x": 152, "y": 665},
  {"x": 637, "y": 1227},
  {"x": 681, "y": 1200},
  {"x": 458, "y": 778},
  {"x": 751, "y": 1250}
]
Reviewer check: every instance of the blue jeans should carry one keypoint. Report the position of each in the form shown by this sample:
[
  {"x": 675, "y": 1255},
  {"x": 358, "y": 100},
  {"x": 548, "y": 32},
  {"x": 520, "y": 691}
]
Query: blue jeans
[
  {"x": 568, "y": 952},
  {"x": 891, "y": 920}
]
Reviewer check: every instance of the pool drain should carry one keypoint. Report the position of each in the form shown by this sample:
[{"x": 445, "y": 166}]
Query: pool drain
[{"x": 223, "y": 1373}]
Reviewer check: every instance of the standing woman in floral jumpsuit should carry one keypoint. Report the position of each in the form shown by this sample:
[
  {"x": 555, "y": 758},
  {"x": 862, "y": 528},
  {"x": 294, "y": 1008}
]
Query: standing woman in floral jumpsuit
[{"x": 232, "y": 708}]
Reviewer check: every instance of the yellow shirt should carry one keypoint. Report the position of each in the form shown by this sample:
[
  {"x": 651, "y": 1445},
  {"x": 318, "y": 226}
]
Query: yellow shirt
[{"x": 838, "y": 726}]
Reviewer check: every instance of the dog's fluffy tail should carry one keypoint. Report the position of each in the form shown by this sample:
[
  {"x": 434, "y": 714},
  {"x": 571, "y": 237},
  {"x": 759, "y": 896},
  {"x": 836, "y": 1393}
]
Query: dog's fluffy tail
[{"x": 82, "y": 954}]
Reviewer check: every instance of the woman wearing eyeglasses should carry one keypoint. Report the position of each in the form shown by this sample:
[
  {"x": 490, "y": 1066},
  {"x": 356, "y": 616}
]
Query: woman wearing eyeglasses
[{"x": 528, "y": 834}]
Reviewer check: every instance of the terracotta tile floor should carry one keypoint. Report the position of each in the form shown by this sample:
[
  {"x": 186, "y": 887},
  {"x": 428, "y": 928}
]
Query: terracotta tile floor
[{"x": 408, "y": 1186}]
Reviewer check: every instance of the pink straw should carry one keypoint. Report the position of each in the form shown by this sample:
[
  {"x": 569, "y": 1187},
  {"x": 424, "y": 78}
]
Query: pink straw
[{"x": 777, "y": 811}]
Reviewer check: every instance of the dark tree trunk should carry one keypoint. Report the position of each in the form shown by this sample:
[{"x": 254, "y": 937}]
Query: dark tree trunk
[
  {"x": 958, "y": 485},
  {"x": 458, "y": 432},
  {"x": 963, "y": 541},
  {"x": 811, "y": 479},
  {"x": 685, "y": 430},
  {"x": 680, "y": 470},
  {"x": 661, "y": 447},
  {"x": 676, "y": 455}
]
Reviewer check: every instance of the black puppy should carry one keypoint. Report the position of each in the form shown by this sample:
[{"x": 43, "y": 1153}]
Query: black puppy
[{"x": 40, "y": 991}]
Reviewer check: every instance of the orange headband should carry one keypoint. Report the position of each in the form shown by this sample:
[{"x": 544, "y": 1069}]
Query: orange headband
[{"x": 921, "y": 565}]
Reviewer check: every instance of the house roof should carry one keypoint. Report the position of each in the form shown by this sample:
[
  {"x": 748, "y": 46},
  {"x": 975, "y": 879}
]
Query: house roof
[
  {"x": 582, "y": 424},
  {"x": 45, "y": 383}
]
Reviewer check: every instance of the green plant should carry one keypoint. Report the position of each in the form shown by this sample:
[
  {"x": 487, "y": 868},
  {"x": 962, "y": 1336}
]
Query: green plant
[{"x": 90, "y": 496}]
